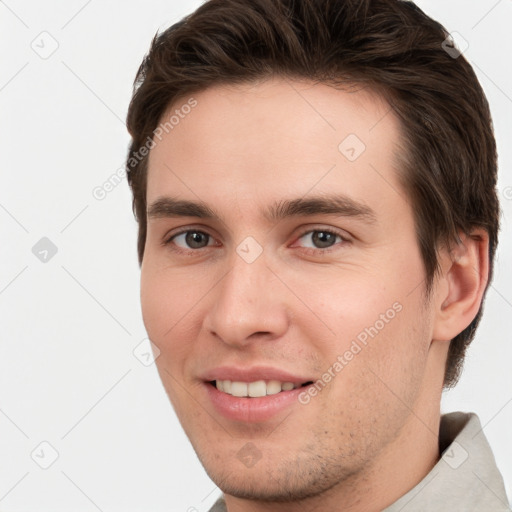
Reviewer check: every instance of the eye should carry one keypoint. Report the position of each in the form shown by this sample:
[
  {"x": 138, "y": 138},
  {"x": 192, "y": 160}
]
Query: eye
[
  {"x": 320, "y": 239},
  {"x": 191, "y": 239}
]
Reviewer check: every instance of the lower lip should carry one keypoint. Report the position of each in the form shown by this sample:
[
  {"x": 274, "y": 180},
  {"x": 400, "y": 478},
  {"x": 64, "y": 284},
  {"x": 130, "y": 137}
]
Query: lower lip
[{"x": 252, "y": 410}]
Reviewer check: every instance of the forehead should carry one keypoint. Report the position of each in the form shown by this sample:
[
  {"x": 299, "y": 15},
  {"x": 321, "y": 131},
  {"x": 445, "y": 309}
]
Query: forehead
[{"x": 276, "y": 137}]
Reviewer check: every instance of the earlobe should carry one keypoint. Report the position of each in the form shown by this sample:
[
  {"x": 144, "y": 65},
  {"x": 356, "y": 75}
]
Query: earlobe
[{"x": 465, "y": 271}]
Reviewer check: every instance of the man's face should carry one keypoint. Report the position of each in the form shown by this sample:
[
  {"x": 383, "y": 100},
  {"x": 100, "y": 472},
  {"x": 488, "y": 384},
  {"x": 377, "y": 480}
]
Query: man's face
[{"x": 305, "y": 295}]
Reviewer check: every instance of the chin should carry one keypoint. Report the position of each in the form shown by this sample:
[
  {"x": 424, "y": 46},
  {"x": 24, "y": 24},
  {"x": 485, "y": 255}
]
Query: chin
[
  {"x": 273, "y": 479},
  {"x": 258, "y": 487}
]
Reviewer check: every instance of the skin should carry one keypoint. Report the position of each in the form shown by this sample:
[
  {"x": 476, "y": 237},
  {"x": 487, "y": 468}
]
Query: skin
[{"x": 371, "y": 434}]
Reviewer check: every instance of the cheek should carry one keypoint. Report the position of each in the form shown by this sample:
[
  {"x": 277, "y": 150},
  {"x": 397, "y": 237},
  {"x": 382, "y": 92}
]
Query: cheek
[
  {"x": 395, "y": 358},
  {"x": 156, "y": 305},
  {"x": 164, "y": 303},
  {"x": 170, "y": 301},
  {"x": 376, "y": 322},
  {"x": 351, "y": 305}
]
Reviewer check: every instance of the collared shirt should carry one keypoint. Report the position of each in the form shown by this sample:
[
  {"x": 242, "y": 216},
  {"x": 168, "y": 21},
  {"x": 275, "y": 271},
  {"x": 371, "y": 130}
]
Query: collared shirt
[{"x": 465, "y": 479}]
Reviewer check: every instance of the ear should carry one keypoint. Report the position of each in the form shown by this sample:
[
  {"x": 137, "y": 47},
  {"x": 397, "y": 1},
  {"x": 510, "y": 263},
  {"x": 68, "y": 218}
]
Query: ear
[{"x": 461, "y": 284}]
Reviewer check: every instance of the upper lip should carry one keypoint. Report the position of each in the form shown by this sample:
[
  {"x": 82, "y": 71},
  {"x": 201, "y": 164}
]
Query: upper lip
[{"x": 252, "y": 374}]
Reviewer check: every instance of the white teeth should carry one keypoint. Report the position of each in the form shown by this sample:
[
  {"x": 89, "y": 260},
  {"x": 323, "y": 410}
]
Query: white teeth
[
  {"x": 273, "y": 387},
  {"x": 226, "y": 385},
  {"x": 239, "y": 389},
  {"x": 258, "y": 388},
  {"x": 255, "y": 389}
]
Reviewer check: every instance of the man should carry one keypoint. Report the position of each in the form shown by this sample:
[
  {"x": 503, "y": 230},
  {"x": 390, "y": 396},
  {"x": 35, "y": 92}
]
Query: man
[{"x": 314, "y": 183}]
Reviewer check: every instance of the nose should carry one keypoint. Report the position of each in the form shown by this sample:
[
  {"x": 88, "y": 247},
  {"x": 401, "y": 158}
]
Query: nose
[{"x": 248, "y": 304}]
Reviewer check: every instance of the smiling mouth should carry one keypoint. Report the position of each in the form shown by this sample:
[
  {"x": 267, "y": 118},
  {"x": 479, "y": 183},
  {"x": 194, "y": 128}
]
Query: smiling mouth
[{"x": 257, "y": 389}]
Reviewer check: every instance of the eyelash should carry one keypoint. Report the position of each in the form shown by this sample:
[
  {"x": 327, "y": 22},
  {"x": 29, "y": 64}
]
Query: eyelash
[{"x": 308, "y": 250}]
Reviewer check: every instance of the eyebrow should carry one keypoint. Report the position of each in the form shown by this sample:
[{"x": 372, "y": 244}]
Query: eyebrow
[{"x": 165, "y": 207}]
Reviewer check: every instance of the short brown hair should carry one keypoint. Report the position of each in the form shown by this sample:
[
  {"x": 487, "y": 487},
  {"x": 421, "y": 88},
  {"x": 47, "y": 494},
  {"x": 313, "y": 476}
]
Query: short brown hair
[{"x": 450, "y": 165}]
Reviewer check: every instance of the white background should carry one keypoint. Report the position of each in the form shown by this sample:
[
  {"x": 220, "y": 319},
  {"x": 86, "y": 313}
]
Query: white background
[{"x": 68, "y": 328}]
